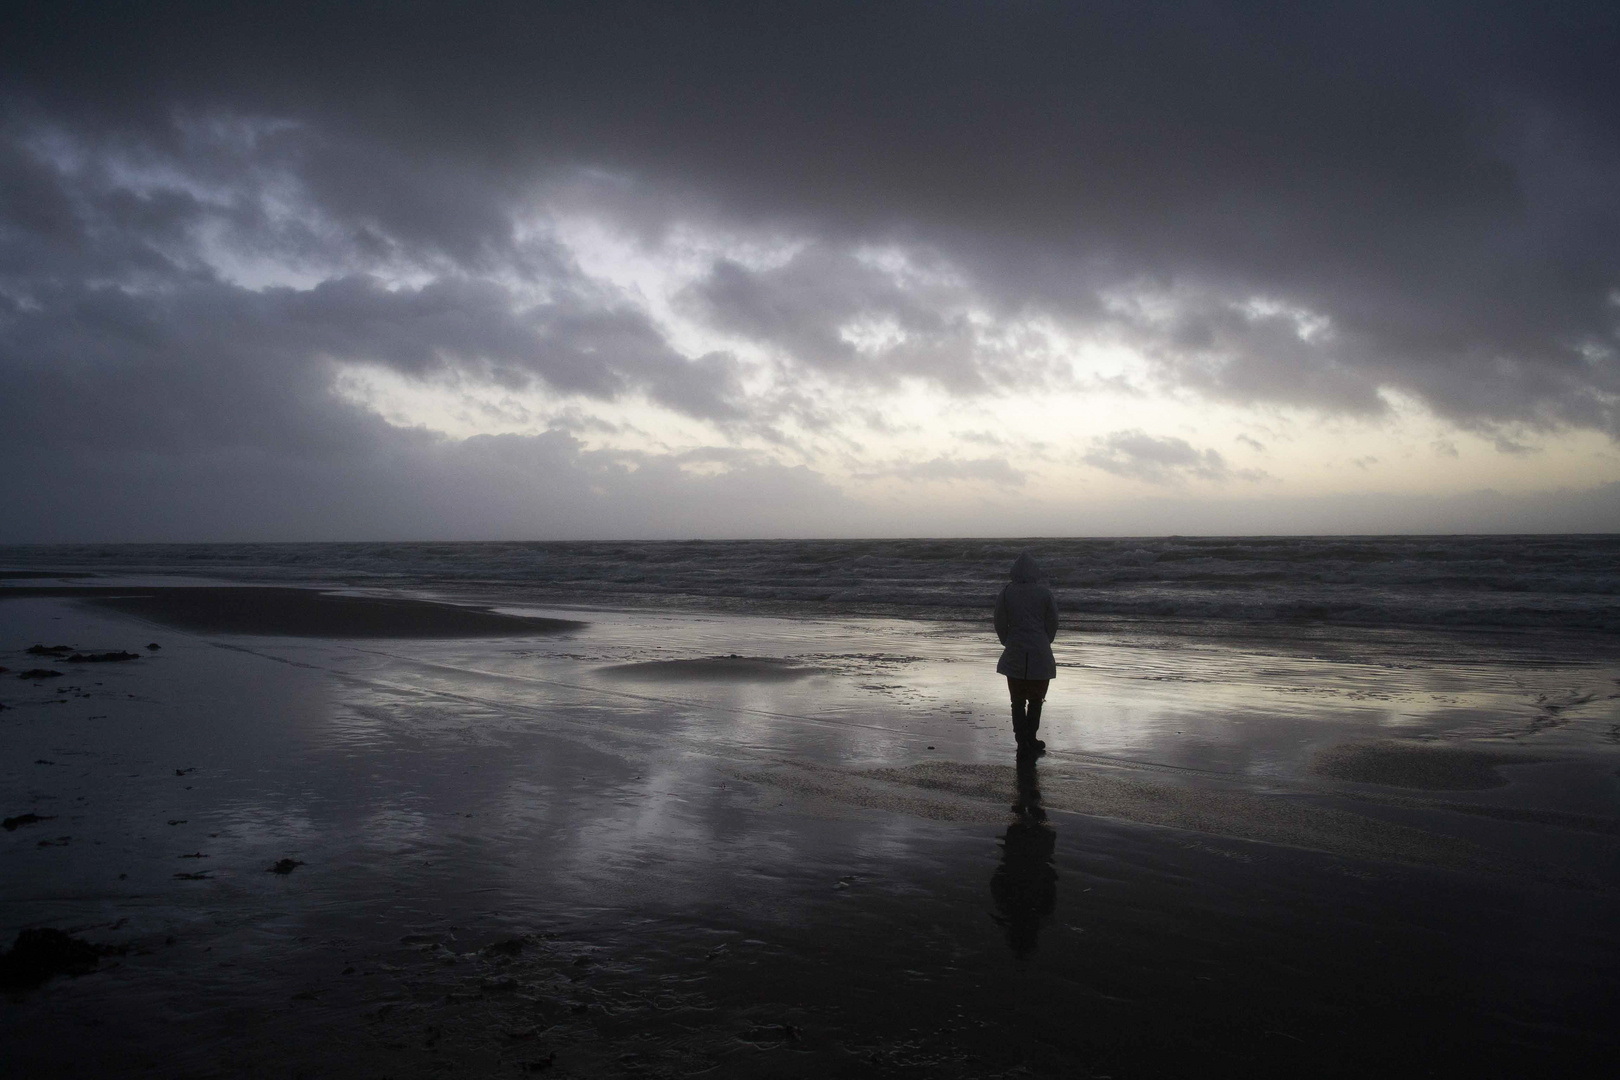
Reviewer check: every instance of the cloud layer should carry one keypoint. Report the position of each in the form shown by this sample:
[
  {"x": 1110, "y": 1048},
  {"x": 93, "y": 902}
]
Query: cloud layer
[{"x": 210, "y": 213}]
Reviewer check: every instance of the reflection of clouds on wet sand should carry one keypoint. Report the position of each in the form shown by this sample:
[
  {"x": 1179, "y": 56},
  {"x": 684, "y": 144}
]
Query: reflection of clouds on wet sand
[{"x": 1233, "y": 745}]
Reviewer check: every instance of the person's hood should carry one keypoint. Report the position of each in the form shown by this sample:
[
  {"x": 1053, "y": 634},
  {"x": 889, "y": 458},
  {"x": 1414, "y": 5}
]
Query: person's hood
[{"x": 1024, "y": 569}]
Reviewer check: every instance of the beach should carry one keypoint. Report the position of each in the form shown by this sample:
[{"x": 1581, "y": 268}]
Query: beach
[
  {"x": 944, "y": 541},
  {"x": 670, "y": 841}
]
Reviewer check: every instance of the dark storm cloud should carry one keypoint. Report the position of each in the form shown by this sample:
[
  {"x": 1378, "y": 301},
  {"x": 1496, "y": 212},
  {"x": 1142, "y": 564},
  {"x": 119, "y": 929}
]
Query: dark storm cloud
[
  {"x": 814, "y": 308},
  {"x": 1137, "y": 455},
  {"x": 410, "y": 486},
  {"x": 1215, "y": 346},
  {"x": 1301, "y": 204},
  {"x": 107, "y": 301},
  {"x": 209, "y": 361}
]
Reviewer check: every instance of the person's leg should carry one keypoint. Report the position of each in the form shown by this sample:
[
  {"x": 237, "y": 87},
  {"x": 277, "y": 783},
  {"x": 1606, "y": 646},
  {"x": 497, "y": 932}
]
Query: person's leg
[
  {"x": 1032, "y": 714},
  {"x": 1020, "y": 714},
  {"x": 1032, "y": 724}
]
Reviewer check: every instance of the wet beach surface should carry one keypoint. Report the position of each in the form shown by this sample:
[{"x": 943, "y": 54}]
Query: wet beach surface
[
  {"x": 671, "y": 845},
  {"x": 297, "y": 612}
]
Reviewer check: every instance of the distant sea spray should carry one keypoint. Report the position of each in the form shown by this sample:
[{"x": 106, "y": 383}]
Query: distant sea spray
[{"x": 1569, "y": 583}]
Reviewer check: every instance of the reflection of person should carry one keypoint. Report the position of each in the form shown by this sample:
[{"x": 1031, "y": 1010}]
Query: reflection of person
[
  {"x": 1024, "y": 886},
  {"x": 1026, "y": 623}
]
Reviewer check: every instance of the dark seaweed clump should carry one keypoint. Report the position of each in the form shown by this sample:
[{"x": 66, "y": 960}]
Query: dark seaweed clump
[
  {"x": 11, "y": 823},
  {"x": 41, "y": 953}
]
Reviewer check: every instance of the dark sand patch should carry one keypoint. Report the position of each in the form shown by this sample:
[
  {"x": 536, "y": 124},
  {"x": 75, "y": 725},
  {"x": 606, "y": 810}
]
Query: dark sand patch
[
  {"x": 1424, "y": 766},
  {"x": 713, "y": 669},
  {"x": 955, "y": 791},
  {"x": 39, "y": 954},
  {"x": 13, "y": 823},
  {"x": 1243, "y": 815},
  {"x": 36, "y": 575},
  {"x": 1558, "y": 819},
  {"x": 287, "y": 612}
]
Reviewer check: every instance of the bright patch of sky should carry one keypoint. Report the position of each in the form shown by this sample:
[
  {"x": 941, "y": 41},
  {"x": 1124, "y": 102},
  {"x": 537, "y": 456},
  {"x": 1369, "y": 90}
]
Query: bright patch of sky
[{"x": 916, "y": 440}]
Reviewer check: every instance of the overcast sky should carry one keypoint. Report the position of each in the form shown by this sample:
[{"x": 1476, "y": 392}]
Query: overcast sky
[{"x": 534, "y": 271}]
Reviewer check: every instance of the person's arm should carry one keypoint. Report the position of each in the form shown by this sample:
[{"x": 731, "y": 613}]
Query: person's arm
[
  {"x": 1001, "y": 615},
  {"x": 1049, "y": 616}
]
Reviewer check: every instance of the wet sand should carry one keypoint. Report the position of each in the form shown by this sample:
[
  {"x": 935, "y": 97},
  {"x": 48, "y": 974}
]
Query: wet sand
[
  {"x": 733, "y": 668},
  {"x": 634, "y": 846},
  {"x": 283, "y": 612},
  {"x": 1421, "y": 765}
]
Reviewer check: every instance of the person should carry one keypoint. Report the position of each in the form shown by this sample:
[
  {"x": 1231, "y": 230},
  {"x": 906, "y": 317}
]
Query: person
[{"x": 1026, "y": 622}]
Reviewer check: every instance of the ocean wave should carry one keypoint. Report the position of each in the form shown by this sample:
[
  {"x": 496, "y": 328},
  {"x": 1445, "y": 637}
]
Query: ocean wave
[{"x": 1558, "y": 582}]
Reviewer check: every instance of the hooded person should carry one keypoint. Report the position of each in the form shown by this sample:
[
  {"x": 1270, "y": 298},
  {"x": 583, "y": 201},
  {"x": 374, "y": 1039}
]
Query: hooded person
[{"x": 1026, "y": 622}]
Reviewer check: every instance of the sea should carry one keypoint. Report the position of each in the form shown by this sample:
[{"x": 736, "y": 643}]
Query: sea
[{"x": 1566, "y": 586}]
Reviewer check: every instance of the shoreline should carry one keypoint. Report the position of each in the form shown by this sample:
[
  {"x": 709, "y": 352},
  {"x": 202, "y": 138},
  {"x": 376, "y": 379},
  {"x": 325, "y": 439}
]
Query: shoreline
[{"x": 335, "y": 610}]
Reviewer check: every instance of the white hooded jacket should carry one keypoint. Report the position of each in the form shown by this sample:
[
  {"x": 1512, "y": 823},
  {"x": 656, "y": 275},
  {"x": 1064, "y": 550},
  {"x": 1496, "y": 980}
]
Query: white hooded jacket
[{"x": 1026, "y": 623}]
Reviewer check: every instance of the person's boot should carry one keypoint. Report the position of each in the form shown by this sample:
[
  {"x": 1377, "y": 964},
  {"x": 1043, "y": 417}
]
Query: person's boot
[
  {"x": 1020, "y": 725},
  {"x": 1032, "y": 724}
]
